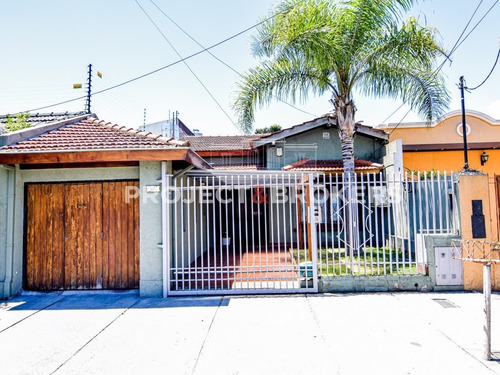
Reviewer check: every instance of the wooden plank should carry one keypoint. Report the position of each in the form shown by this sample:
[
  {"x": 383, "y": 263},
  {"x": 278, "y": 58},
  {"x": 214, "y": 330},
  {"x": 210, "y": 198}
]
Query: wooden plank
[
  {"x": 30, "y": 237},
  {"x": 86, "y": 236},
  {"x": 121, "y": 246},
  {"x": 101, "y": 156},
  {"x": 42, "y": 238},
  {"x": 105, "y": 235},
  {"x": 130, "y": 238},
  {"x": 58, "y": 237},
  {"x": 48, "y": 269},
  {"x": 79, "y": 235},
  {"x": 112, "y": 236},
  {"x": 68, "y": 214}
]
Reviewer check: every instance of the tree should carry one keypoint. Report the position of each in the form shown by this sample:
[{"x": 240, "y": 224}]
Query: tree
[
  {"x": 20, "y": 122},
  {"x": 318, "y": 46},
  {"x": 268, "y": 129}
]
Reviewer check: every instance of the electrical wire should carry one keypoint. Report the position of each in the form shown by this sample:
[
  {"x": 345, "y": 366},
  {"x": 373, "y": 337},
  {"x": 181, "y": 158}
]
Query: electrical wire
[
  {"x": 187, "y": 65},
  {"x": 457, "y": 44},
  {"x": 488, "y": 76},
  {"x": 217, "y": 58},
  {"x": 163, "y": 67}
]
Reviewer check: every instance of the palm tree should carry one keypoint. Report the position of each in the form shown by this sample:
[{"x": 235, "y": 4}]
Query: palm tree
[
  {"x": 318, "y": 46},
  {"x": 315, "y": 46}
]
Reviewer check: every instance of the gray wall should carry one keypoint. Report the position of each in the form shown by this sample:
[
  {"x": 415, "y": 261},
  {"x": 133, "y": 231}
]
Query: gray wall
[
  {"x": 312, "y": 145},
  {"x": 3, "y": 226},
  {"x": 151, "y": 256}
]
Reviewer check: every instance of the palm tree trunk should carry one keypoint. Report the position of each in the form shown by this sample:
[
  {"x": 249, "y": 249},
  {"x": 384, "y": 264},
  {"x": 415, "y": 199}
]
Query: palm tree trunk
[{"x": 347, "y": 129}]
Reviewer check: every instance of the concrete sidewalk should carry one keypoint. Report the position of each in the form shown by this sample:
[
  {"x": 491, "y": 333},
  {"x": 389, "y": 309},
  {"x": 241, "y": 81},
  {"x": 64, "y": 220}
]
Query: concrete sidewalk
[{"x": 120, "y": 333}]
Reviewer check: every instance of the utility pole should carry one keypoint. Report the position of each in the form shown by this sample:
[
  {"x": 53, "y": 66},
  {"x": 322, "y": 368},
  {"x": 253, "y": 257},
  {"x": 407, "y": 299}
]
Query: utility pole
[
  {"x": 464, "y": 124},
  {"x": 89, "y": 90}
]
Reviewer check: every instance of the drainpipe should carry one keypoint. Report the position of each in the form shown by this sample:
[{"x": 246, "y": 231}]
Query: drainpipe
[{"x": 9, "y": 238}]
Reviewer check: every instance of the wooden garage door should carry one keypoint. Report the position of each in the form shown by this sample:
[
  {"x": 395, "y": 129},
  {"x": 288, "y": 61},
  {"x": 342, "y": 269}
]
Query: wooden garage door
[{"x": 82, "y": 236}]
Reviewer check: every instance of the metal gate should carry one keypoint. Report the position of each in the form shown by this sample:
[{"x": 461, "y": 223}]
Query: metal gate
[{"x": 239, "y": 233}]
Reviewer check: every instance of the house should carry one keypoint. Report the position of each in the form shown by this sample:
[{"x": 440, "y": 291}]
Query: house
[
  {"x": 311, "y": 146},
  {"x": 173, "y": 127},
  {"x": 439, "y": 146},
  {"x": 80, "y": 206}
]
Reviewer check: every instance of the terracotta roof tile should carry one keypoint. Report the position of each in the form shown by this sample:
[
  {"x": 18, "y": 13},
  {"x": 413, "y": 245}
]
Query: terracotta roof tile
[
  {"x": 92, "y": 134},
  {"x": 222, "y": 143},
  {"x": 330, "y": 165}
]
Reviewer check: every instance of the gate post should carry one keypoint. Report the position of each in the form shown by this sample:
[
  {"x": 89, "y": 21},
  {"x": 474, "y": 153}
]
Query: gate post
[
  {"x": 166, "y": 225},
  {"x": 313, "y": 245}
]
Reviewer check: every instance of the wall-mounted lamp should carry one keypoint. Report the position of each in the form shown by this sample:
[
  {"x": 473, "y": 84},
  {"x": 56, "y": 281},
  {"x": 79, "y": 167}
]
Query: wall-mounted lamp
[{"x": 484, "y": 158}]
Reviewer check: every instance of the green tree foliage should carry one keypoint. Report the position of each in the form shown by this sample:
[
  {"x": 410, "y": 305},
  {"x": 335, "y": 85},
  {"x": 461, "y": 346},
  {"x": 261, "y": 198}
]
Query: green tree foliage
[
  {"x": 268, "y": 129},
  {"x": 21, "y": 121},
  {"x": 343, "y": 47}
]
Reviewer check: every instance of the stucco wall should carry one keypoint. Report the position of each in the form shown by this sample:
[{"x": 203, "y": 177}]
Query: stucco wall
[
  {"x": 3, "y": 225},
  {"x": 476, "y": 187},
  {"x": 49, "y": 175},
  {"x": 312, "y": 145}
]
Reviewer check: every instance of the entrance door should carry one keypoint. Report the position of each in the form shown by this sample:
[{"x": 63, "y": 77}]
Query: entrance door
[{"x": 81, "y": 236}]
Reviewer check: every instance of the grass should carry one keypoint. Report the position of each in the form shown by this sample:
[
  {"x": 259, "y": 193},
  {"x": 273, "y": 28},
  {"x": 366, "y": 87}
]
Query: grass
[{"x": 372, "y": 262}]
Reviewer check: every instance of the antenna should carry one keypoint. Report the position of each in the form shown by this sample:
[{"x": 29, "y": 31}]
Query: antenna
[{"x": 89, "y": 90}]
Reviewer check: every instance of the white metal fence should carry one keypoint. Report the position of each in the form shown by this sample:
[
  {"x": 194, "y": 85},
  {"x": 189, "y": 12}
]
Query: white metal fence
[{"x": 233, "y": 232}]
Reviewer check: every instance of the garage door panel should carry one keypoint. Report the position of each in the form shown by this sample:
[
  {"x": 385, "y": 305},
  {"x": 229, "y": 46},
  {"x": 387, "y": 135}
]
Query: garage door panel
[{"x": 81, "y": 236}]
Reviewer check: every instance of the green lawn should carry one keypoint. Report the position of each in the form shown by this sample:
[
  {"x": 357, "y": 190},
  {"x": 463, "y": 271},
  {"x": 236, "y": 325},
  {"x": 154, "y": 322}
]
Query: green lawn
[{"x": 373, "y": 262}]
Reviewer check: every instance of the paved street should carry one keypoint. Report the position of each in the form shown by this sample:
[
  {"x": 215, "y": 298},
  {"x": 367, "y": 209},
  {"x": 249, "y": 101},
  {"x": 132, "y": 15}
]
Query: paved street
[{"x": 120, "y": 333}]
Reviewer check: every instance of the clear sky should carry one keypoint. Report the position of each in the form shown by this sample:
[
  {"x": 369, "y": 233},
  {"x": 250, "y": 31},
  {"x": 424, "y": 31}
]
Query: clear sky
[{"x": 45, "y": 48}]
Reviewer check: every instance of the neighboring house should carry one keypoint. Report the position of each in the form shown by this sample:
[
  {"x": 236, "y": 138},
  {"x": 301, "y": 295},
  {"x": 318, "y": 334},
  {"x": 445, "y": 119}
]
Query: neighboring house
[
  {"x": 36, "y": 119},
  {"x": 311, "y": 146},
  {"x": 80, "y": 206},
  {"x": 229, "y": 151},
  {"x": 173, "y": 128},
  {"x": 439, "y": 147}
]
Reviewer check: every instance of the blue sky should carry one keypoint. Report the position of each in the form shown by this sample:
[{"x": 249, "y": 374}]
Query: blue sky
[{"x": 47, "y": 45}]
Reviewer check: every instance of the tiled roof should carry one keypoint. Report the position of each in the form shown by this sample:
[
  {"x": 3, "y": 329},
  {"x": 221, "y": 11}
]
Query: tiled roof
[
  {"x": 44, "y": 118},
  {"x": 222, "y": 143},
  {"x": 330, "y": 165},
  {"x": 238, "y": 167},
  {"x": 91, "y": 134}
]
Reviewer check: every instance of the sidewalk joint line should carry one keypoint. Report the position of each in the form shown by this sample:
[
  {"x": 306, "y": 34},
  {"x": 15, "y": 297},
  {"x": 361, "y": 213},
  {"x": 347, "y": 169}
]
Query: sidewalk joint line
[
  {"x": 206, "y": 336},
  {"x": 97, "y": 334}
]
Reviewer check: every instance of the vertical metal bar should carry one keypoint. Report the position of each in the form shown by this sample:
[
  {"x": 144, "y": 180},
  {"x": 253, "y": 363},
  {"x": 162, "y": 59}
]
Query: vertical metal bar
[
  {"x": 276, "y": 224},
  {"x": 207, "y": 231},
  {"x": 446, "y": 203},
  {"x": 390, "y": 219},
  {"x": 290, "y": 224},
  {"x": 487, "y": 310},
  {"x": 314, "y": 244},
  {"x": 440, "y": 203},
  {"x": 433, "y": 204},
  {"x": 183, "y": 260},
  {"x": 414, "y": 221},
  {"x": 226, "y": 229},
  {"x": 233, "y": 237},
  {"x": 166, "y": 237},
  {"x": 407, "y": 211},
  {"x": 371, "y": 217},
  {"x": 187, "y": 230},
  {"x": 385, "y": 195},
  {"x": 341, "y": 223},
  {"x": 194, "y": 227},
  {"x": 420, "y": 219},
  {"x": 176, "y": 234},
  {"x": 427, "y": 208},
  {"x": 259, "y": 225},
  {"x": 221, "y": 252},
  {"x": 362, "y": 224},
  {"x": 285, "y": 251},
  {"x": 332, "y": 229}
]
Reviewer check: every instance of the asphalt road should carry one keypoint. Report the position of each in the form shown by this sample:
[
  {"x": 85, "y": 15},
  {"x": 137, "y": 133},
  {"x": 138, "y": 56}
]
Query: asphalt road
[{"x": 121, "y": 333}]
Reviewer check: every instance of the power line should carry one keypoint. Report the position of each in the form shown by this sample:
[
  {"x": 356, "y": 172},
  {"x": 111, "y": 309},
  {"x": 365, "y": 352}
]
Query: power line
[
  {"x": 163, "y": 67},
  {"x": 217, "y": 58},
  {"x": 478, "y": 22},
  {"x": 489, "y": 74},
  {"x": 185, "y": 63},
  {"x": 457, "y": 44}
]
